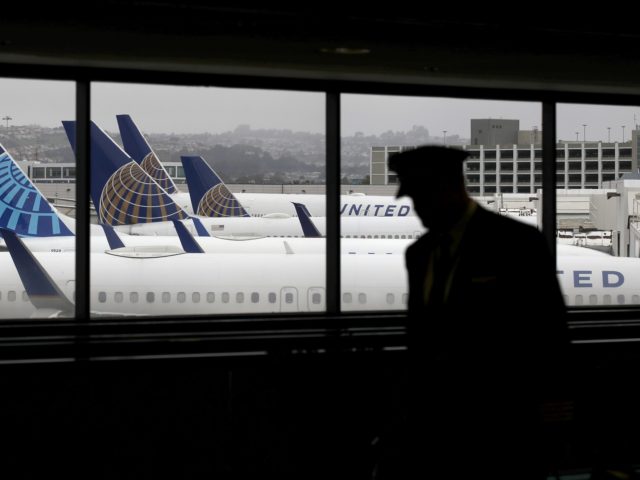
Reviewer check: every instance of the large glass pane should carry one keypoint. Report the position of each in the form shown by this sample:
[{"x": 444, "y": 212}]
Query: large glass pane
[
  {"x": 238, "y": 161},
  {"x": 502, "y": 172},
  {"x": 598, "y": 207},
  {"x": 37, "y": 199}
]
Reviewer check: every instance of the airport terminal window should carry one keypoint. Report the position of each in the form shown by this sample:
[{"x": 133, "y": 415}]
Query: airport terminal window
[
  {"x": 602, "y": 212},
  {"x": 252, "y": 151}
]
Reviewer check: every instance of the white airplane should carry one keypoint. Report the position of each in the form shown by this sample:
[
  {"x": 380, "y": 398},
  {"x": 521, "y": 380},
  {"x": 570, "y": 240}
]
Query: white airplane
[
  {"x": 177, "y": 283},
  {"x": 209, "y": 196}
]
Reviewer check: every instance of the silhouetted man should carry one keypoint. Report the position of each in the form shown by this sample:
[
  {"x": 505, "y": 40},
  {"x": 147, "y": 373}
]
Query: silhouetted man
[{"x": 487, "y": 331}]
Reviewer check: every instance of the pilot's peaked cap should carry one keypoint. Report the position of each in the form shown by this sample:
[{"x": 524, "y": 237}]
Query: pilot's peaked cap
[{"x": 428, "y": 163}]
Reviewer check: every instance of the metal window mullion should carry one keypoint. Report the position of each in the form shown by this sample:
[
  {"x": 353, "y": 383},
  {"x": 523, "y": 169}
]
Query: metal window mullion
[
  {"x": 333, "y": 201},
  {"x": 83, "y": 181},
  {"x": 549, "y": 174}
]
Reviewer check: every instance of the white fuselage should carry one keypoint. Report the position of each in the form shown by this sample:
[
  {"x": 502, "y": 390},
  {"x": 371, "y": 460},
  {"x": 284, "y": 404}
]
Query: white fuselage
[
  {"x": 99, "y": 244},
  {"x": 277, "y": 226},
  {"x": 183, "y": 284},
  {"x": 260, "y": 204}
]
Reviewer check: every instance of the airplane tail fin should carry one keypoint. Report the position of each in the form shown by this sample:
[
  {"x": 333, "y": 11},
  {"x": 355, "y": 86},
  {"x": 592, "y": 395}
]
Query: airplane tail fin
[
  {"x": 210, "y": 197},
  {"x": 42, "y": 290},
  {"x": 202, "y": 232},
  {"x": 139, "y": 149},
  {"x": 112, "y": 237},
  {"x": 189, "y": 244},
  {"x": 122, "y": 192},
  {"x": 23, "y": 209},
  {"x": 308, "y": 228}
]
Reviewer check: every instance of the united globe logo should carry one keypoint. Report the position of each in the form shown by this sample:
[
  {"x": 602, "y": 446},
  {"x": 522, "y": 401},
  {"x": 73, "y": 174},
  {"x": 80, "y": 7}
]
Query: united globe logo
[
  {"x": 131, "y": 196},
  {"x": 220, "y": 202}
]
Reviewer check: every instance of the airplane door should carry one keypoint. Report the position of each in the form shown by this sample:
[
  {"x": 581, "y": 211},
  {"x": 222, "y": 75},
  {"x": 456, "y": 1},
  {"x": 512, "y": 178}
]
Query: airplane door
[
  {"x": 316, "y": 299},
  {"x": 289, "y": 299}
]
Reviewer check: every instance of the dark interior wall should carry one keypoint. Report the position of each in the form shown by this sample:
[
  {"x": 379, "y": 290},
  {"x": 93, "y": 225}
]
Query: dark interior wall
[
  {"x": 297, "y": 417},
  {"x": 293, "y": 418}
]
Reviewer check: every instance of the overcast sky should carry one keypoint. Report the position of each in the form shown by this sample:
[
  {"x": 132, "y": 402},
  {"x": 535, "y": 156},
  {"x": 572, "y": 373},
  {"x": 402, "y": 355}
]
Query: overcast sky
[{"x": 160, "y": 109}]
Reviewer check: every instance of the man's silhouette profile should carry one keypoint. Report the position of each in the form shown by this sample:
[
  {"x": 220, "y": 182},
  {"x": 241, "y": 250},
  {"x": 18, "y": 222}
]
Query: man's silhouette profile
[{"x": 486, "y": 331}]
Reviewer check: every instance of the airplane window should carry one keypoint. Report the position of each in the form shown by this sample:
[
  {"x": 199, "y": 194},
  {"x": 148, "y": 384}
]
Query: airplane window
[
  {"x": 272, "y": 297},
  {"x": 635, "y": 299},
  {"x": 593, "y": 299},
  {"x": 621, "y": 300},
  {"x": 11, "y": 296},
  {"x": 151, "y": 297},
  {"x": 316, "y": 298},
  {"x": 225, "y": 297},
  {"x": 405, "y": 298},
  {"x": 195, "y": 297},
  {"x": 390, "y": 298},
  {"x": 346, "y": 297},
  {"x": 288, "y": 297},
  {"x": 118, "y": 297},
  {"x": 166, "y": 297},
  {"x": 25, "y": 297},
  {"x": 362, "y": 298},
  {"x": 211, "y": 297},
  {"x": 133, "y": 297},
  {"x": 403, "y": 236},
  {"x": 396, "y": 236},
  {"x": 255, "y": 297},
  {"x": 239, "y": 297},
  {"x": 606, "y": 300},
  {"x": 102, "y": 297},
  {"x": 375, "y": 236},
  {"x": 579, "y": 300},
  {"x": 181, "y": 297}
]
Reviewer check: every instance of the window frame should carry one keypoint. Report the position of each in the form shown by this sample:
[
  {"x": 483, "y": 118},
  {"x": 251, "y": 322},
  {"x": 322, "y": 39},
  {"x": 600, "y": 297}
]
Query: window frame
[{"x": 389, "y": 327}]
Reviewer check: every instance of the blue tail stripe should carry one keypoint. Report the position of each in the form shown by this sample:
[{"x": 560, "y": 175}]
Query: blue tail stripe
[
  {"x": 36, "y": 203},
  {"x": 55, "y": 225},
  {"x": 8, "y": 198},
  {"x": 33, "y": 225},
  {"x": 23, "y": 199},
  {"x": 6, "y": 187},
  {"x": 13, "y": 220}
]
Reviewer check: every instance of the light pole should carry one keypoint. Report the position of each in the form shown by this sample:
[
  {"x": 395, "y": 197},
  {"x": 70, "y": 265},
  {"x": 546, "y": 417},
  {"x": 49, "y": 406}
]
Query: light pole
[
  {"x": 577, "y": 133},
  {"x": 609, "y": 134},
  {"x": 444, "y": 137},
  {"x": 7, "y": 118},
  {"x": 584, "y": 132},
  {"x": 623, "y": 133}
]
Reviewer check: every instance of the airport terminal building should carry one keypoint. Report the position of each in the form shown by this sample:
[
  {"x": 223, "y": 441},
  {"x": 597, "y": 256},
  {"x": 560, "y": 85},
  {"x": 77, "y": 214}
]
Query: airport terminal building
[{"x": 505, "y": 159}]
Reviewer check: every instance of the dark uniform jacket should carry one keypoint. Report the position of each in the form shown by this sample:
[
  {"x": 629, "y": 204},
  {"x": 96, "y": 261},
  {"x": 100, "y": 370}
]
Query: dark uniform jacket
[{"x": 482, "y": 362}]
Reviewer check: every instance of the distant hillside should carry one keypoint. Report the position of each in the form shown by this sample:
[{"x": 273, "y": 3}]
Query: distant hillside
[{"x": 243, "y": 155}]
